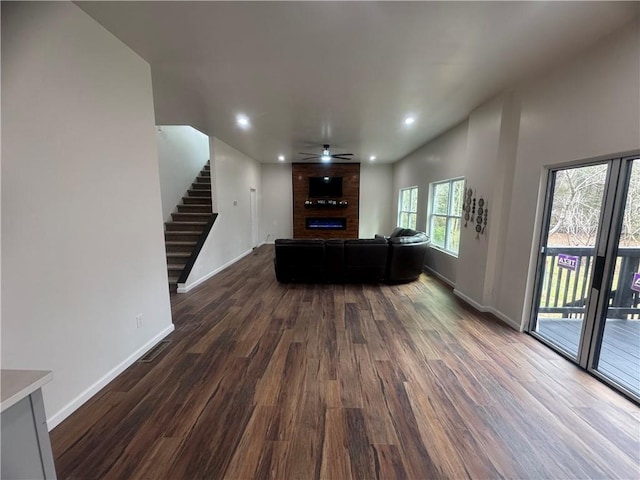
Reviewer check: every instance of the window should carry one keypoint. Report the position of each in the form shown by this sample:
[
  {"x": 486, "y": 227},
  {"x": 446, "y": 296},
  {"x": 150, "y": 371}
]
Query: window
[
  {"x": 408, "y": 207},
  {"x": 445, "y": 214}
]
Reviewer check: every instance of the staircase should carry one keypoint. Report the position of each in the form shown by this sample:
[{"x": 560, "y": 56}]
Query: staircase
[{"x": 190, "y": 224}]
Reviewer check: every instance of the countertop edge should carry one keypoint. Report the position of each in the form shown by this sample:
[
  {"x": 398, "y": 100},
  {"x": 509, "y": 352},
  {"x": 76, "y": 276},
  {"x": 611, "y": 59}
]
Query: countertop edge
[{"x": 18, "y": 384}]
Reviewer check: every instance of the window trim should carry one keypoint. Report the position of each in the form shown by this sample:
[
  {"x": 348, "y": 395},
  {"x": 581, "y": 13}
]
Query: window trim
[
  {"x": 448, "y": 216},
  {"x": 408, "y": 212}
]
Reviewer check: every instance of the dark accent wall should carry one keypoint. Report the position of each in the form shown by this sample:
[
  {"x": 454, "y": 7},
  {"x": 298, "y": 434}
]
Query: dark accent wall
[{"x": 350, "y": 173}]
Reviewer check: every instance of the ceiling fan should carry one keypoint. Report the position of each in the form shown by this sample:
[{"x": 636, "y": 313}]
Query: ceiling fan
[{"x": 326, "y": 155}]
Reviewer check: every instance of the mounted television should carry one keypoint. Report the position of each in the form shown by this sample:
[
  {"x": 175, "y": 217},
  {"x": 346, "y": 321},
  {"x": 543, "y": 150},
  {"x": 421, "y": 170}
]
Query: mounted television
[{"x": 325, "y": 187}]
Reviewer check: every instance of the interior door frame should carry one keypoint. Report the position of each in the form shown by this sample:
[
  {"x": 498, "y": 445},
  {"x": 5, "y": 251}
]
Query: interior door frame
[{"x": 253, "y": 209}]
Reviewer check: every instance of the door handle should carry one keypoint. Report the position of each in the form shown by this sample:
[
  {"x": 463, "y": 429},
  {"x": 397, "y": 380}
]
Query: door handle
[{"x": 598, "y": 272}]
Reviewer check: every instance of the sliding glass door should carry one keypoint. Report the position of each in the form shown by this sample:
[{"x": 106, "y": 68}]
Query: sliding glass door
[
  {"x": 615, "y": 350},
  {"x": 587, "y": 294},
  {"x": 575, "y": 199}
]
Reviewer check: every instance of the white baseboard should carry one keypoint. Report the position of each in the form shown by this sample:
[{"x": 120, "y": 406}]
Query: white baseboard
[
  {"x": 469, "y": 300},
  {"x": 501, "y": 316},
  {"x": 493, "y": 311},
  {"x": 184, "y": 288},
  {"x": 439, "y": 276},
  {"x": 77, "y": 402}
]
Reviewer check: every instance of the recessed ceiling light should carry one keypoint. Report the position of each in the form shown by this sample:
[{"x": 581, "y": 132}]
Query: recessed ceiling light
[
  {"x": 372, "y": 158},
  {"x": 243, "y": 121},
  {"x": 281, "y": 158},
  {"x": 409, "y": 120}
]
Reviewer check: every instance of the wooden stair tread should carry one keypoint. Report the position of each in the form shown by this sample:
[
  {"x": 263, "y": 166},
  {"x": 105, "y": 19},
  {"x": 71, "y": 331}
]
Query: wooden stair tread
[
  {"x": 199, "y": 193},
  {"x": 197, "y": 200},
  {"x": 184, "y": 232},
  {"x": 193, "y": 214},
  {"x": 194, "y": 208},
  {"x": 191, "y": 217},
  {"x": 180, "y": 222},
  {"x": 188, "y": 222}
]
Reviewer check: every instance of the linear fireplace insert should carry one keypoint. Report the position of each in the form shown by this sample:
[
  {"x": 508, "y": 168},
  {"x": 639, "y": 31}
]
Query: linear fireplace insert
[{"x": 326, "y": 223}]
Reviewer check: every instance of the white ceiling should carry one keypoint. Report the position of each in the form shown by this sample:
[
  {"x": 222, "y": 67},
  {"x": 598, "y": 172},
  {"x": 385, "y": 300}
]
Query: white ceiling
[{"x": 345, "y": 73}]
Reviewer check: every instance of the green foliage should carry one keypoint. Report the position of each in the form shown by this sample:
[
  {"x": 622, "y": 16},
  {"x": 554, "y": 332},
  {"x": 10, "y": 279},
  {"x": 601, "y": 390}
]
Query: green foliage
[
  {"x": 441, "y": 199},
  {"x": 407, "y": 216},
  {"x": 446, "y": 211}
]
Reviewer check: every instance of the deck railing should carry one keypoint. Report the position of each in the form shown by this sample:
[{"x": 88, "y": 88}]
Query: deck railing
[{"x": 564, "y": 291}]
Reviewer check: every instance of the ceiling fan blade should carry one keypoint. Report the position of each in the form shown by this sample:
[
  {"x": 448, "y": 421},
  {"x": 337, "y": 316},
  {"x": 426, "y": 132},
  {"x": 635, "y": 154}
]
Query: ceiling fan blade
[
  {"x": 343, "y": 156},
  {"x": 310, "y": 158},
  {"x": 306, "y": 153}
]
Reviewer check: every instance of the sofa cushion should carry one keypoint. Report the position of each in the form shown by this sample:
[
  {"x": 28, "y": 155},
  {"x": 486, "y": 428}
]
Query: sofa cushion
[
  {"x": 365, "y": 259},
  {"x": 334, "y": 260},
  {"x": 397, "y": 232},
  {"x": 299, "y": 260},
  {"x": 418, "y": 237}
]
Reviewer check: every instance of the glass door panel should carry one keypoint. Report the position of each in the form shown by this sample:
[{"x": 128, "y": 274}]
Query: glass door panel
[
  {"x": 568, "y": 250},
  {"x": 619, "y": 353}
]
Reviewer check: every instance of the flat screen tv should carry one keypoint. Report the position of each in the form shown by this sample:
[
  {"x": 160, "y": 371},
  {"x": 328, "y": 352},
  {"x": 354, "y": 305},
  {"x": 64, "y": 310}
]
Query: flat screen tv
[{"x": 325, "y": 187}]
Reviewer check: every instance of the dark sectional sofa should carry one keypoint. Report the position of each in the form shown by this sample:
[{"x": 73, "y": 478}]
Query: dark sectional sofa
[{"x": 393, "y": 259}]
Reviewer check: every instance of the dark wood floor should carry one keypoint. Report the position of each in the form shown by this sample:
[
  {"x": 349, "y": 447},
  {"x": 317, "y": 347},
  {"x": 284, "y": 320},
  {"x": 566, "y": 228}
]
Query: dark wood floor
[
  {"x": 620, "y": 353},
  {"x": 263, "y": 380}
]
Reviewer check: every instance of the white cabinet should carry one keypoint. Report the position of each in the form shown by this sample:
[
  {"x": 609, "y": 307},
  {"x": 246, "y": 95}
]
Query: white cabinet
[{"x": 26, "y": 448}]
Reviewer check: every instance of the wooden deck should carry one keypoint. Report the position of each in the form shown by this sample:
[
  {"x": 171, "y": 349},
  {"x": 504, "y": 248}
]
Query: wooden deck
[{"x": 620, "y": 354}]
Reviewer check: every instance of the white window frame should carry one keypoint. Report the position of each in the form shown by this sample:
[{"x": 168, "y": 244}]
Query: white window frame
[
  {"x": 408, "y": 212},
  {"x": 449, "y": 216}
]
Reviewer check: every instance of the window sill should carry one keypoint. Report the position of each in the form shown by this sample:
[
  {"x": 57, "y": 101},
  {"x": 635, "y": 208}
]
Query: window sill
[{"x": 442, "y": 250}]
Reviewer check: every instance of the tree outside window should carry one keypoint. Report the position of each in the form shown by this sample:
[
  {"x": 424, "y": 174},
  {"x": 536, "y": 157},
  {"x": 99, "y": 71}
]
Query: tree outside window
[
  {"x": 445, "y": 214},
  {"x": 408, "y": 207}
]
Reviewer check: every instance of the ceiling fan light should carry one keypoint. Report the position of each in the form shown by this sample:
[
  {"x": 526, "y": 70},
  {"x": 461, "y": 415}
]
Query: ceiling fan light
[{"x": 325, "y": 157}]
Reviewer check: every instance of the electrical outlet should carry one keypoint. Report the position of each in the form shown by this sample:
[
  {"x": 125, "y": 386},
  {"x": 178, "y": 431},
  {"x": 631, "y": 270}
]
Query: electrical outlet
[{"x": 139, "y": 320}]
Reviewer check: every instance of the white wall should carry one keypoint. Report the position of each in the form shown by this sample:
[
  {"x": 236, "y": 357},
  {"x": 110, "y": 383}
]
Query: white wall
[
  {"x": 174, "y": 102},
  {"x": 182, "y": 152},
  {"x": 481, "y": 174},
  {"x": 234, "y": 176},
  {"x": 81, "y": 213},
  {"x": 376, "y": 200},
  {"x": 586, "y": 109},
  {"x": 277, "y": 202},
  {"x": 442, "y": 159}
]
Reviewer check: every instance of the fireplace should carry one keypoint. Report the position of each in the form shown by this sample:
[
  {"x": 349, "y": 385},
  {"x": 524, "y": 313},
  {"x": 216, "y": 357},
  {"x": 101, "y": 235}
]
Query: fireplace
[{"x": 326, "y": 223}]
